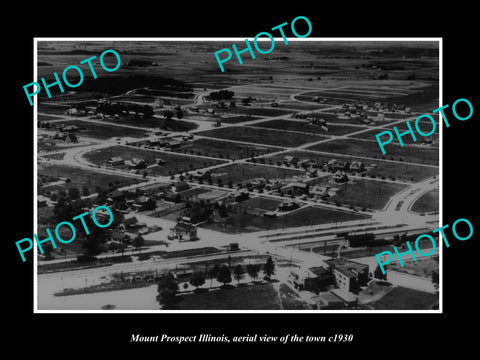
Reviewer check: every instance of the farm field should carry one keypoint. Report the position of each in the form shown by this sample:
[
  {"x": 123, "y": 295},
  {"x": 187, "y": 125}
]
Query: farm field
[
  {"x": 223, "y": 149},
  {"x": 305, "y": 127},
  {"x": 261, "y": 136},
  {"x": 81, "y": 178}
]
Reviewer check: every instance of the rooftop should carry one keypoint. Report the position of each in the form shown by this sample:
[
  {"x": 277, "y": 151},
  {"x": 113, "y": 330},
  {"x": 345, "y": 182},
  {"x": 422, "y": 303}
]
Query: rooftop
[{"x": 347, "y": 267}]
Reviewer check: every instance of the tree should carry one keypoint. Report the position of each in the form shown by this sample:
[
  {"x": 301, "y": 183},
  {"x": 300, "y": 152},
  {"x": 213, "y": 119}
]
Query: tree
[
  {"x": 168, "y": 115},
  {"x": 47, "y": 251},
  {"x": 435, "y": 278},
  {"x": 224, "y": 276},
  {"x": 378, "y": 274},
  {"x": 245, "y": 101},
  {"x": 167, "y": 291},
  {"x": 253, "y": 270},
  {"x": 238, "y": 273},
  {"x": 197, "y": 279},
  {"x": 138, "y": 242},
  {"x": 269, "y": 267},
  {"x": 73, "y": 193}
]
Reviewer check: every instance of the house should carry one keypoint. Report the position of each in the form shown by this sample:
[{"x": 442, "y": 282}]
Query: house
[
  {"x": 183, "y": 229},
  {"x": 340, "y": 177},
  {"x": 297, "y": 188},
  {"x": 357, "y": 166},
  {"x": 71, "y": 111},
  {"x": 349, "y": 275},
  {"x": 117, "y": 195},
  {"x": 160, "y": 161},
  {"x": 270, "y": 214},
  {"x": 348, "y": 298},
  {"x": 241, "y": 196},
  {"x": 196, "y": 214},
  {"x": 328, "y": 301},
  {"x": 41, "y": 201},
  {"x": 288, "y": 206},
  {"x": 306, "y": 163},
  {"x": 69, "y": 128},
  {"x": 202, "y": 175},
  {"x": 290, "y": 160},
  {"x": 173, "y": 143},
  {"x": 320, "y": 190},
  {"x": 114, "y": 161},
  {"x": 340, "y": 166},
  {"x": 180, "y": 186},
  {"x": 311, "y": 279},
  {"x": 172, "y": 196}
]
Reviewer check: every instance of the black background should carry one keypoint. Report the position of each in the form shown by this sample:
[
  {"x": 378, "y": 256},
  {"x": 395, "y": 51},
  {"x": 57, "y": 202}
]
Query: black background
[{"x": 374, "y": 334}]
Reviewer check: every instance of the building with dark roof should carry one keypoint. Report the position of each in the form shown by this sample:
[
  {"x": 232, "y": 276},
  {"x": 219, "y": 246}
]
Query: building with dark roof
[{"x": 349, "y": 275}]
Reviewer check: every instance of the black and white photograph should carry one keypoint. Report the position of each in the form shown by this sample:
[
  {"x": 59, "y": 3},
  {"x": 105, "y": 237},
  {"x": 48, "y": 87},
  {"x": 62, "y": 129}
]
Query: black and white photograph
[{"x": 260, "y": 188}]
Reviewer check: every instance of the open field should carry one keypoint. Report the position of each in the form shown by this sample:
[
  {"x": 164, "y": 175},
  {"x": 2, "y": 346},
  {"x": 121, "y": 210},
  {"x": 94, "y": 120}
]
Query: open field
[
  {"x": 241, "y": 223},
  {"x": 261, "y": 136},
  {"x": 427, "y": 203},
  {"x": 175, "y": 163},
  {"x": 372, "y": 149},
  {"x": 102, "y": 131},
  {"x": 422, "y": 267},
  {"x": 241, "y": 173},
  {"x": 250, "y": 297},
  {"x": 222, "y": 149},
  {"x": 156, "y": 122},
  {"x": 81, "y": 178},
  {"x": 366, "y": 193},
  {"x": 402, "y": 298},
  {"x": 304, "y": 126}
]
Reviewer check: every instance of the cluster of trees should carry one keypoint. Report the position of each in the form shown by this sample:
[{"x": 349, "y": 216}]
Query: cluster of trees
[
  {"x": 121, "y": 108},
  {"x": 169, "y": 114},
  {"x": 168, "y": 285},
  {"x": 221, "y": 95}
]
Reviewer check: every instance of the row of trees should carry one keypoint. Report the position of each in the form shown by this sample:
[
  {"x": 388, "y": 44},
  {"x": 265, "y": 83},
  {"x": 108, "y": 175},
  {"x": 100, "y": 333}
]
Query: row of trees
[{"x": 168, "y": 286}]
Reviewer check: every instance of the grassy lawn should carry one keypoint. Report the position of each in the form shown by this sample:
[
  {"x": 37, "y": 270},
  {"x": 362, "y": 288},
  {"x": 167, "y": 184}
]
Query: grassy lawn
[
  {"x": 290, "y": 299},
  {"x": 81, "y": 178},
  {"x": 367, "y": 193},
  {"x": 103, "y": 131},
  {"x": 42, "y": 117},
  {"x": 304, "y": 126},
  {"x": 371, "y": 149},
  {"x": 223, "y": 149},
  {"x": 262, "y": 136},
  {"x": 422, "y": 267},
  {"x": 402, "y": 298},
  {"x": 244, "y": 223},
  {"x": 427, "y": 202},
  {"x": 252, "y": 297},
  {"x": 175, "y": 163}
]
